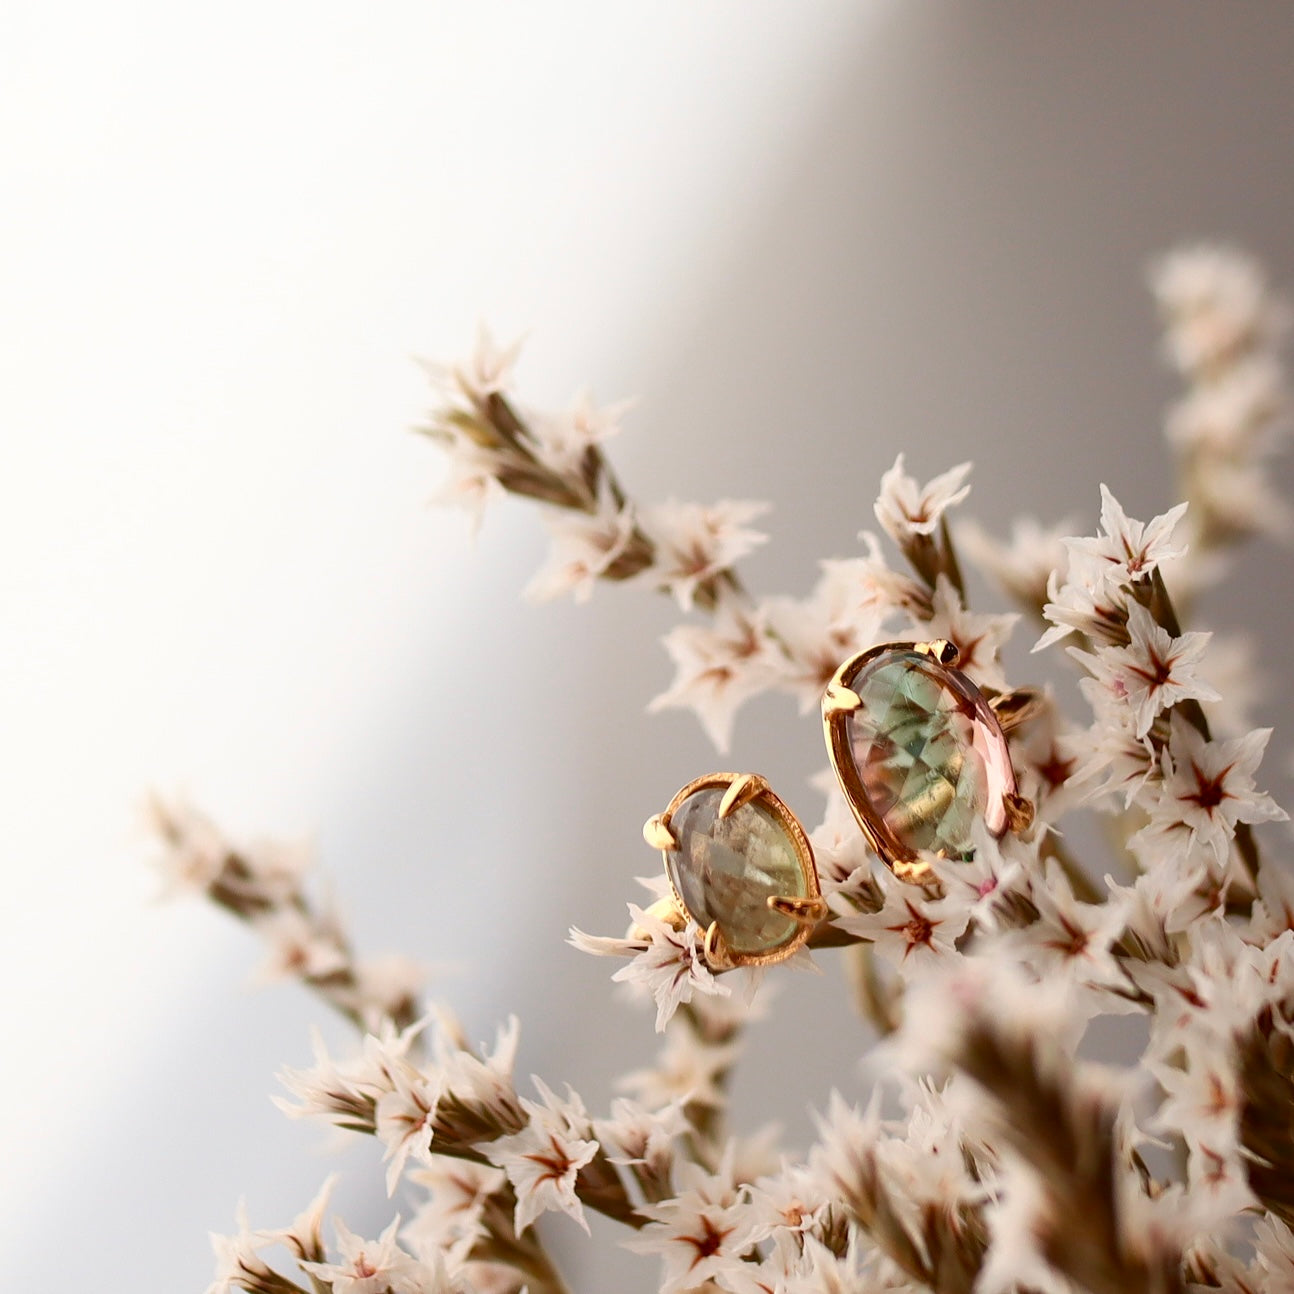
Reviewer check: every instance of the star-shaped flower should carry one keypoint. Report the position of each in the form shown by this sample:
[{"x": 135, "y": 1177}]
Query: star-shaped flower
[
  {"x": 906, "y": 508},
  {"x": 1134, "y": 684}
]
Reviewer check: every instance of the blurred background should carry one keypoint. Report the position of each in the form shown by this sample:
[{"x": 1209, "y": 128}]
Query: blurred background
[{"x": 805, "y": 235}]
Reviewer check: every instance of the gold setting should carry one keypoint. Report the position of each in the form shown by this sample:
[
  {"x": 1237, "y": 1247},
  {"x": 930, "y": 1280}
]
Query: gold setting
[
  {"x": 807, "y": 910},
  {"x": 1009, "y": 709}
]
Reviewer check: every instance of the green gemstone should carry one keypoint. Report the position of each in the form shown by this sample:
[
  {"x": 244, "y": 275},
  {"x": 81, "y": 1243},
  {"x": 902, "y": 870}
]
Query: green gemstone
[
  {"x": 929, "y": 753},
  {"x": 726, "y": 869}
]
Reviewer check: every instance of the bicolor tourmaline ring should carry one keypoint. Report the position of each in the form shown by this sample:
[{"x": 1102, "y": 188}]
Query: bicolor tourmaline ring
[
  {"x": 740, "y": 865},
  {"x": 921, "y": 754}
]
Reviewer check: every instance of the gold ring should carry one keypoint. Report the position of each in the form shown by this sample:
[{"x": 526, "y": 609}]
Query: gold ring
[
  {"x": 921, "y": 755},
  {"x": 740, "y": 865}
]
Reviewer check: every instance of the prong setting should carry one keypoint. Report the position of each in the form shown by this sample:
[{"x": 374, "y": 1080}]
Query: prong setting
[
  {"x": 715, "y": 950},
  {"x": 838, "y": 699},
  {"x": 805, "y": 911},
  {"x": 657, "y": 834},
  {"x": 940, "y": 649},
  {"x": 1019, "y": 812},
  {"x": 1018, "y": 706},
  {"x": 745, "y": 788}
]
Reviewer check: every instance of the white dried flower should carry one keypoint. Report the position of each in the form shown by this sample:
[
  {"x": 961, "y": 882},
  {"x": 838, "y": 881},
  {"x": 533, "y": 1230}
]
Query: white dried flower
[
  {"x": 565, "y": 438},
  {"x": 543, "y": 1160},
  {"x": 1133, "y": 685},
  {"x": 905, "y": 508},
  {"x": 1207, "y": 788},
  {"x": 695, "y": 542},
  {"x": 582, "y": 547},
  {"x": 1216, "y": 306},
  {"x": 671, "y": 968},
  {"x": 717, "y": 668}
]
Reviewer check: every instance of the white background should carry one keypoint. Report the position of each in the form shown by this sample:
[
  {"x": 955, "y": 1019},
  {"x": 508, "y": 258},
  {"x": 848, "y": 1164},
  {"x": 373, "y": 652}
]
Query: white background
[{"x": 806, "y": 235}]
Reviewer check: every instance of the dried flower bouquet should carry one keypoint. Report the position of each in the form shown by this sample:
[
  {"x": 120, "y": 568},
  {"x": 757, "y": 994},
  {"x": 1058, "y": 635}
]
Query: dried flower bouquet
[{"x": 995, "y": 1159}]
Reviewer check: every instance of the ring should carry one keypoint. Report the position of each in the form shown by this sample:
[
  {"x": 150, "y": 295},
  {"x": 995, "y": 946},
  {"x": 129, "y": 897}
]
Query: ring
[
  {"x": 921, "y": 754},
  {"x": 740, "y": 865}
]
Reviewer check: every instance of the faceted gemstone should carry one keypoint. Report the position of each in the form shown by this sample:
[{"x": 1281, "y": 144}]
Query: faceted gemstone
[
  {"x": 725, "y": 869},
  {"x": 929, "y": 752}
]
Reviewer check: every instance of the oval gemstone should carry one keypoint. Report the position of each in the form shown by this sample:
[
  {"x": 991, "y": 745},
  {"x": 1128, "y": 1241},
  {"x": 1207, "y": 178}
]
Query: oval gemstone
[
  {"x": 726, "y": 869},
  {"x": 929, "y": 753}
]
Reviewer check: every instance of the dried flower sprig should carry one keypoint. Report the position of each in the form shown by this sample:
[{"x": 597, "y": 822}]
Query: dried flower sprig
[
  {"x": 264, "y": 885},
  {"x": 1012, "y": 1165}
]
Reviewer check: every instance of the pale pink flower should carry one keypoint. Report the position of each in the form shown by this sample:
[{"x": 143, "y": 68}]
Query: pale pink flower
[
  {"x": 238, "y": 1262},
  {"x": 883, "y": 589},
  {"x": 1274, "y": 1253},
  {"x": 347, "y": 1092},
  {"x": 717, "y": 667},
  {"x": 479, "y": 1093},
  {"x": 1084, "y": 602},
  {"x": 1207, "y": 788},
  {"x": 1071, "y": 941},
  {"x": 1133, "y": 685},
  {"x": 843, "y": 1159},
  {"x": 912, "y": 927},
  {"x": 636, "y": 1135},
  {"x": 303, "y": 1238},
  {"x": 451, "y": 1219},
  {"x": 1216, "y": 307},
  {"x": 1240, "y": 500},
  {"x": 688, "y": 1070},
  {"x": 580, "y": 550},
  {"x": 840, "y": 851},
  {"x": 376, "y": 1266},
  {"x": 701, "y": 1233},
  {"x": 543, "y": 1160},
  {"x": 696, "y": 541},
  {"x": 926, "y": 1165},
  {"x": 1130, "y": 550},
  {"x": 1202, "y": 1101},
  {"x": 985, "y": 884},
  {"x": 906, "y": 508},
  {"x": 473, "y": 481},
  {"x": 566, "y": 437},
  {"x": 191, "y": 853},
  {"x": 671, "y": 968},
  {"x": 818, "y": 633},
  {"x": 1111, "y": 761},
  {"x": 300, "y": 946},
  {"x": 386, "y": 986},
  {"x": 629, "y": 945},
  {"x": 1023, "y": 566},
  {"x": 485, "y": 372},
  {"x": 1238, "y": 415},
  {"x": 820, "y": 1270},
  {"x": 405, "y": 1120},
  {"x": 792, "y": 1200},
  {"x": 1273, "y": 913}
]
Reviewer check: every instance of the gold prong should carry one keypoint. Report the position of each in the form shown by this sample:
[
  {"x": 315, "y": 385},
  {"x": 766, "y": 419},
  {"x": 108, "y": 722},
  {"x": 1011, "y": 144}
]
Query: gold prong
[
  {"x": 741, "y": 791},
  {"x": 666, "y": 910},
  {"x": 913, "y": 871},
  {"x": 1013, "y": 708},
  {"x": 715, "y": 950},
  {"x": 940, "y": 649},
  {"x": 1019, "y": 812},
  {"x": 806, "y": 911},
  {"x": 838, "y": 699},
  {"x": 657, "y": 834}
]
